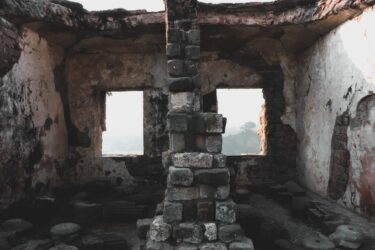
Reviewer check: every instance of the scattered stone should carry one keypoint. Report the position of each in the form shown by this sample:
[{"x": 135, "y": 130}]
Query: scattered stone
[
  {"x": 65, "y": 231},
  {"x": 35, "y": 245},
  {"x": 20, "y": 226},
  {"x": 243, "y": 244},
  {"x": 113, "y": 241},
  {"x": 193, "y": 160},
  {"x": 153, "y": 245},
  {"x": 186, "y": 247},
  {"x": 143, "y": 226},
  {"x": 317, "y": 242},
  {"x": 87, "y": 213},
  {"x": 210, "y": 231},
  {"x": 180, "y": 176},
  {"x": 188, "y": 233},
  {"x": 229, "y": 233},
  {"x": 225, "y": 211},
  {"x": 172, "y": 212},
  {"x": 181, "y": 193},
  {"x": 347, "y": 236},
  {"x": 159, "y": 230},
  {"x": 92, "y": 242},
  {"x": 215, "y": 176},
  {"x": 63, "y": 247},
  {"x": 213, "y": 246}
]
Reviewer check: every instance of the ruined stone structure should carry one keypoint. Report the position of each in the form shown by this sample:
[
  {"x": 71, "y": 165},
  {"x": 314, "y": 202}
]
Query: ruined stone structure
[{"x": 314, "y": 61}]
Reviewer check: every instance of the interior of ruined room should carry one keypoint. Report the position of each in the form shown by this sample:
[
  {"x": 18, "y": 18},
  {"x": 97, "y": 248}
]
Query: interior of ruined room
[{"x": 69, "y": 77}]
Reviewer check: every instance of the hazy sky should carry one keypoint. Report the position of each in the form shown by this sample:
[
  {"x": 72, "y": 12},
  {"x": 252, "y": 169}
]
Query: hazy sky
[
  {"x": 150, "y": 5},
  {"x": 240, "y": 105}
]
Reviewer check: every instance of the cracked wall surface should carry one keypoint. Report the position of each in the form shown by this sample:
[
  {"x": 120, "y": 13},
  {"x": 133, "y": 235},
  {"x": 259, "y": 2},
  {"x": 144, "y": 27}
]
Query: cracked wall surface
[{"x": 336, "y": 74}]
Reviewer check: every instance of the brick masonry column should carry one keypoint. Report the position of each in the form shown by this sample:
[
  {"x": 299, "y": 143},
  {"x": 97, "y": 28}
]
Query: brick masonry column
[{"x": 198, "y": 212}]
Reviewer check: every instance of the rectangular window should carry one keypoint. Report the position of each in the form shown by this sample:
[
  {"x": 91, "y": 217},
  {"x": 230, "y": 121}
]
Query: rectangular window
[
  {"x": 242, "y": 108},
  {"x": 124, "y": 123}
]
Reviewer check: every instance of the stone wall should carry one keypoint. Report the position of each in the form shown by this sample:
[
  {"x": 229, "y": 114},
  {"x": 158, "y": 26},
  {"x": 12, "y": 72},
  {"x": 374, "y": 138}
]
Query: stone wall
[
  {"x": 33, "y": 131},
  {"x": 335, "y": 75}
]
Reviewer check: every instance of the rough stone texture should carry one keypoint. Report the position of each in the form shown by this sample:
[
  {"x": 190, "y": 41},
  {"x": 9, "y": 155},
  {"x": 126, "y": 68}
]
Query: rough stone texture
[
  {"x": 184, "y": 102},
  {"x": 172, "y": 212},
  {"x": 193, "y": 160},
  {"x": 210, "y": 231},
  {"x": 347, "y": 81},
  {"x": 188, "y": 233},
  {"x": 214, "y": 176},
  {"x": 180, "y": 176},
  {"x": 225, "y": 211},
  {"x": 213, "y": 246},
  {"x": 64, "y": 230},
  {"x": 181, "y": 193},
  {"x": 243, "y": 244},
  {"x": 159, "y": 230}
]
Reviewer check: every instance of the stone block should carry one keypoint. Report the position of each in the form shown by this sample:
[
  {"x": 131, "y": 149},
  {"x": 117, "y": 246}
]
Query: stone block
[
  {"x": 178, "y": 122},
  {"x": 213, "y": 246},
  {"x": 229, "y": 233},
  {"x": 210, "y": 231},
  {"x": 166, "y": 159},
  {"x": 222, "y": 192},
  {"x": 193, "y": 160},
  {"x": 193, "y": 36},
  {"x": 209, "y": 143},
  {"x": 214, "y": 143},
  {"x": 154, "y": 245},
  {"x": 143, "y": 226},
  {"x": 173, "y": 50},
  {"x": 181, "y": 84},
  {"x": 172, "y": 212},
  {"x": 243, "y": 244},
  {"x": 186, "y": 247},
  {"x": 191, "y": 68},
  {"x": 160, "y": 230},
  {"x": 188, "y": 233},
  {"x": 175, "y": 67},
  {"x": 181, "y": 193},
  {"x": 225, "y": 211},
  {"x": 184, "y": 102},
  {"x": 220, "y": 161},
  {"x": 174, "y": 35},
  {"x": 214, "y": 123},
  {"x": 205, "y": 211},
  {"x": 65, "y": 231},
  {"x": 192, "y": 52},
  {"x": 177, "y": 142},
  {"x": 213, "y": 176},
  {"x": 180, "y": 177}
]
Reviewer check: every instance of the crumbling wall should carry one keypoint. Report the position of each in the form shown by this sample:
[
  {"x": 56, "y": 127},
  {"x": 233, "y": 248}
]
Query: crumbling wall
[
  {"x": 335, "y": 75},
  {"x": 33, "y": 133}
]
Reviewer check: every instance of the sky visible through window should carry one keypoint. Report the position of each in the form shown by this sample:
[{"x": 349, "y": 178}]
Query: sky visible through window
[
  {"x": 150, "y": 5},
  {"x": 242, "y": 108},
  {"x": 124, "y": 122}
]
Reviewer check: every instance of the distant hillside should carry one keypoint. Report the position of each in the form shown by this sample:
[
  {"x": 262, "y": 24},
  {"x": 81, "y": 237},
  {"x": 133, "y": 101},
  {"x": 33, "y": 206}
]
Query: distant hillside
[{"x": 245, "y": 141}]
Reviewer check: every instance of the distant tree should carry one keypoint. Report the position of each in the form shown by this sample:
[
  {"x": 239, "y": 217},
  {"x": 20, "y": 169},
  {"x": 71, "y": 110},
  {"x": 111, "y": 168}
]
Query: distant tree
[
  {"x": 248, "y": 126},
  {"x": 244, "y": 142}
]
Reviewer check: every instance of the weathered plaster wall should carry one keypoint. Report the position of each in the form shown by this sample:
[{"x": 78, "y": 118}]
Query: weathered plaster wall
[
  {"x": 335, "y": 75},
  {"x": 33, "y": 133}
]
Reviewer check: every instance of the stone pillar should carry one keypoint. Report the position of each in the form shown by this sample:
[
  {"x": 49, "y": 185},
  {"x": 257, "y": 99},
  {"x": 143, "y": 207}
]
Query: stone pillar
[{"x": 198, "y": 212}]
